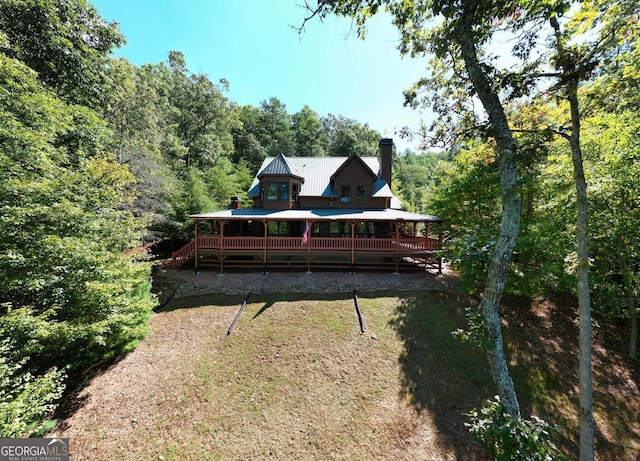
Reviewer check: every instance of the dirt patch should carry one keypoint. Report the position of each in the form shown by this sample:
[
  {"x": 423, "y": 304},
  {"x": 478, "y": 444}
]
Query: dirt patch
[{"x": 187, "y": 283}]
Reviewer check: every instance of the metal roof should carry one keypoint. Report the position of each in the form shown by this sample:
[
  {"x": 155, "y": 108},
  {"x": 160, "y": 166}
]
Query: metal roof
[
  {"x": 324, "y": 214},
  {"x": 280, "y": 165},
  {"x": 316, "y": 172}
]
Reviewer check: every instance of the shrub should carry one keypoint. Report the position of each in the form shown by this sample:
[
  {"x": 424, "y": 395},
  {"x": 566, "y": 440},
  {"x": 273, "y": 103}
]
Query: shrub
[
  {"x": 508, "y": 438},
  {"x": 25, "y": 400}
]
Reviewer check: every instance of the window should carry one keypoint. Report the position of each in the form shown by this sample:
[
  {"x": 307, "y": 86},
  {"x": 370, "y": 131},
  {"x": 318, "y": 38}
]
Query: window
[
  {"x": 294, "y": 192},
  {"x": 361, "y": 194},
  {"x": 283, "y": 191},
  {"x": 345, "y": 197},
  {"x": 277, "y": 191},
  {"x": 272, "y": 191}
]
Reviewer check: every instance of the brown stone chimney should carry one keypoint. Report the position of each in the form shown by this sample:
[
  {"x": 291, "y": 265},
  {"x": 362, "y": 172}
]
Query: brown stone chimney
[
  {"x": 235, "y": 203},
  {"x": 386, "y": 150}
]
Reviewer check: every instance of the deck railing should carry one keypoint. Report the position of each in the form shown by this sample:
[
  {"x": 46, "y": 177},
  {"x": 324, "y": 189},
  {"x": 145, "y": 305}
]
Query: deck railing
[
  {"x": 182, "y": 255},
  {"x": 369, "y": 244}
]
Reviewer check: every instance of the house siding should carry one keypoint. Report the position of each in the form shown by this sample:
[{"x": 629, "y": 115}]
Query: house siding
[{"x": 354, "y": 174}]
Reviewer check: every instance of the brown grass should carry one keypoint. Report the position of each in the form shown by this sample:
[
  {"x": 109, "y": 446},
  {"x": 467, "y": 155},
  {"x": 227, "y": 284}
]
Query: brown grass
[{"x": 296, "y": 380}]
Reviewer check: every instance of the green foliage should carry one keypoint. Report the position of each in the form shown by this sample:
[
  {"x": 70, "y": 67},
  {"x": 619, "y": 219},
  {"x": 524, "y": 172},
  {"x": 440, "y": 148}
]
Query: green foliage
[
  {"x": 346, "y": 137},
  {"x": 310, "y": 138},
  {"x": 415, "y": 179},
  {"x": 71, "y": 291},
  {"x": 276, "y": 128},
  {"x": 25, "y": 400},
  {"x": 508, "y": 438},
  {"x": 65, "y": 41},
  {"x": 474, "y": 333},
  {"x": 227, "y": 180},
  {"x": 467, "y": 196},
  {"x": 201, "y": 118}
]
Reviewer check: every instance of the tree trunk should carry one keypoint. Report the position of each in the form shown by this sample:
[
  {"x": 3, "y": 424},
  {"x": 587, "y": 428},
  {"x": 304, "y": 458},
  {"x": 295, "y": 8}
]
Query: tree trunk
[
  {"x": 587, "y": 446},
  {"x": 631, "y": 304},
  {"x": 633, "y": 337},
  {"x": 510, "y": 220},
  {"x": 584, "y": 300}
]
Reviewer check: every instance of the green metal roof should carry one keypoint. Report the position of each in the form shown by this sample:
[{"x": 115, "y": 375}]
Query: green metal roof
[
  {"x": 316, "y": 172},
  {"x": 280, "y": 165}
]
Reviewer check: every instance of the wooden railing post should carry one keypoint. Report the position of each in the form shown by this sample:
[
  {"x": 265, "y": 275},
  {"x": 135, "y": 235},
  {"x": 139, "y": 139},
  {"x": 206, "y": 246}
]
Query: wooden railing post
[
  {"x": 195, "y": 250},
  {"x": 353, "y": 244},
  {"x": 266, "y": 237}
]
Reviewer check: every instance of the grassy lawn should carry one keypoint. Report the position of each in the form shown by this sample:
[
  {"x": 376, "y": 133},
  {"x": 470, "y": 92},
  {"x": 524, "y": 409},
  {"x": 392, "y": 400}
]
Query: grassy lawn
[{"x": 296, "y": 380}]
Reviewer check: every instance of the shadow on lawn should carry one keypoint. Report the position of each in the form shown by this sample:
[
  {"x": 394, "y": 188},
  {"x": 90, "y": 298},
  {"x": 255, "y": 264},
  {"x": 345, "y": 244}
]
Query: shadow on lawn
[
  {"x": 542, "y": 338},
  {"x": 440, "y": 374}
]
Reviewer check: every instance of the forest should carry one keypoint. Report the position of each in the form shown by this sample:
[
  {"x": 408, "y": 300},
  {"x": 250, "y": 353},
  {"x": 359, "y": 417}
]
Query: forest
[{"x": 101, "y": 158}]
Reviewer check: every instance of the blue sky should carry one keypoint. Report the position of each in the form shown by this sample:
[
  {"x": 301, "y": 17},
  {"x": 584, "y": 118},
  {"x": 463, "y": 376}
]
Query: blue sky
[{"x": 251, "y": 44}]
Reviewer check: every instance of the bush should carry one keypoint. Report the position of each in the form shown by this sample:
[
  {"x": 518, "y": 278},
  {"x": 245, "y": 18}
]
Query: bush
[
  {"x": 508, "y": 438},
  {"x": 25, "y": 400}
]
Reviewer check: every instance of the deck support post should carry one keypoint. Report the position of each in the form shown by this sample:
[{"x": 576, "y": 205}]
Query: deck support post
[
  {"x": 195, "y": 247},
  {"x": 221, "y": 225},
  {"x": 353, "y": 246},
  {"x": 426, "y": 235},
  {"x": 265, "y": 267},
  {"x": 440, "y": 250}
]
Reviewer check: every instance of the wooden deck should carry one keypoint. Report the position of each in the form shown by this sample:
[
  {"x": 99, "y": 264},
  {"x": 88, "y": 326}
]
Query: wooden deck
[{"x": 219, "y": 252}]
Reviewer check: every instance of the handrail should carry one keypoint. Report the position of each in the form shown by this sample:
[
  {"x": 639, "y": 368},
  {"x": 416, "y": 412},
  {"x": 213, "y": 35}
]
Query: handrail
[
  {"x": 182, "y": 255},
  {"x": 370, "y": 244}
]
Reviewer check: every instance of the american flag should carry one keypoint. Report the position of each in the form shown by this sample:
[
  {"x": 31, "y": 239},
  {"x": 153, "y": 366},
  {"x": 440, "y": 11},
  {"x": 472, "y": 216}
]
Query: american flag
[{"x": 305, "y": 234}]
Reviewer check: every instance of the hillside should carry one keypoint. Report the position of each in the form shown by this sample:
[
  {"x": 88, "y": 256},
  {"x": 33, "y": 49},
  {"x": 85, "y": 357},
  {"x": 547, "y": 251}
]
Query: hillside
[{"x": 297, "y": 380}]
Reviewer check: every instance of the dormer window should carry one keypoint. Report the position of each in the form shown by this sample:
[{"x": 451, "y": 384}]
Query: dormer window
[{"x": 361, "y": 194}]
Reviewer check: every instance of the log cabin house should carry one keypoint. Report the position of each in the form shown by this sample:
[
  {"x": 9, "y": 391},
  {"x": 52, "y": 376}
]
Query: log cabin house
[{"x": 317, "y": 212}]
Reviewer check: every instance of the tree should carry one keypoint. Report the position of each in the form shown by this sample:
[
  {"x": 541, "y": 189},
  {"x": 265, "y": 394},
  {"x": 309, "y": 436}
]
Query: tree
[
  {"x": 348, "y": 137},
  {"x": 465, "y": 27},
  {"x": 577, "y": 47},
  {"x": 65, "y": 41},
  {"x": 247, "y": 138},
  {"x": 71, "y": 291},
  {"x": 571, "y": 78},
  {"x": 414, "y": 176},
  {"x": 202, "y": 118},
  {"x": 310, "y": 138},
  {"x": 135, "y": 114},
  {"x": 274, "y": 129}
]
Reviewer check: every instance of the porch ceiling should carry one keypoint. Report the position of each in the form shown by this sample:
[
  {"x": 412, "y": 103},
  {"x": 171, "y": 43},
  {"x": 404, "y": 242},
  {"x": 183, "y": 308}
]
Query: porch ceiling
[{"x": 318, "y": 214}]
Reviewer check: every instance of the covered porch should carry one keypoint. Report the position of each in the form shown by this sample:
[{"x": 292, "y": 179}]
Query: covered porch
[{"x": 313, "y": 239}]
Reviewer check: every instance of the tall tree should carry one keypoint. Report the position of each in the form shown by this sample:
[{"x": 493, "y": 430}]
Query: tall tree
[
  {"x": 247, "y": 138},
  {"x": 202, "y": 117},
  {"x": 71, "y": 291},
  {"x": 65, "y": 41},
  {"x": 608, "y": 23},
  {"x": 571, "y": 76},
  {"x": 275, "y": 131},
  {"x": 346, "y": 137},
  {"x": 310, "y": 139},
  {"x": 465, "y": 26}
]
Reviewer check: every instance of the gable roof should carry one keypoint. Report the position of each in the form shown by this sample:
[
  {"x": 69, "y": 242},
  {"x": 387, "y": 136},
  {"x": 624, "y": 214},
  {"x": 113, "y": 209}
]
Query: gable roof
[
  {"x": 280, "y": 166},
  {"x": 316, "y": 172},
  {"x": 351, "y": 159}
]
